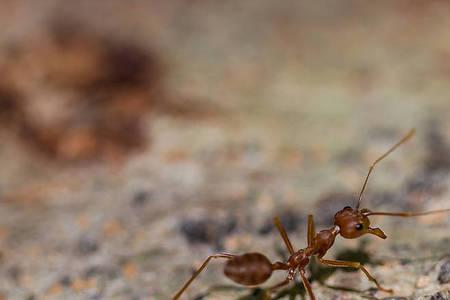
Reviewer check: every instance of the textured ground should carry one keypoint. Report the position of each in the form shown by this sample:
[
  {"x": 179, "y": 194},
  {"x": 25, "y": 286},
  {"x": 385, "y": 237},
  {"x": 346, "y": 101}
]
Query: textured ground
[{"x": 115, "y": 183}]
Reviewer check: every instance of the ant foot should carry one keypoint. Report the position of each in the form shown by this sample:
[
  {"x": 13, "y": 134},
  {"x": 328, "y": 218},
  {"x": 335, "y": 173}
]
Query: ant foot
[
  {"x": 389, "y": 291},
  {"x": 373, "y": 290},
  {"x": 267, "y": 295}
]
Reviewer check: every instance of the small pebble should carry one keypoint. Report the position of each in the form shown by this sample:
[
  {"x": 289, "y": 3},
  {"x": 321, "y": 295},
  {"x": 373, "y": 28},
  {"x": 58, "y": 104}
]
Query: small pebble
[
  {"x": 422, "y": 282},
  {"x": 437, "y": 157},
  {"x": 109, "y": 272},
  {"x": 141, "y": 198},
  {"x": 438, "y": 296},
  {"x": 87, "y": 246},
  {"x": 207, "y": 230},
  {"x": 291, "y": 220},
  {"x": 65, "y": 281},
  {"x": 15, "y": 272},
  {"x": 444, "y": 272}
]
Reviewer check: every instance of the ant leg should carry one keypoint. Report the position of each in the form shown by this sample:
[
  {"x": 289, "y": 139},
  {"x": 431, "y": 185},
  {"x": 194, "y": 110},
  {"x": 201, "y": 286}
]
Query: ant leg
[
  {"x": 284, "y": 235},
  {"x": 268, "y": 292},
  {"x": 185, "y": 286},
  {"x": 278, "y": 285},
  {"x": 277, "y": 266},
  {"x": 356, "y": 265},
  {"x": 311, "y": 230},
  {"x": 307, "y": 285},
  {"x": 404, "y": 139}
]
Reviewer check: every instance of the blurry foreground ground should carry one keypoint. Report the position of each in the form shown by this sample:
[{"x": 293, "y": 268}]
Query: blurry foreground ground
[{"x": 140, "y": 137}]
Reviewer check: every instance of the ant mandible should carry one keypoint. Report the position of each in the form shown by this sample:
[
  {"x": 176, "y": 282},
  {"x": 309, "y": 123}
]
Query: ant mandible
[{"x": 252, "y": 269}]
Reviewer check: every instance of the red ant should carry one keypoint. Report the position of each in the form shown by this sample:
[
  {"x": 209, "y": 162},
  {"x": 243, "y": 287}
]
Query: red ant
[{"x": 251, "y": 269}]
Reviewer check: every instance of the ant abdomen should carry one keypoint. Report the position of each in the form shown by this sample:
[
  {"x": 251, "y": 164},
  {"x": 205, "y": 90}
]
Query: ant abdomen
[{"x": 248, "y": 269}]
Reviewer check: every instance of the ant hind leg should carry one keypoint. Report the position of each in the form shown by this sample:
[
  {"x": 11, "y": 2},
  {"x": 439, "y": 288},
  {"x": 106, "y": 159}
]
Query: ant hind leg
[
  {"x": 268, "y": 292},
  {"x": 307, "y": 285},
  {"x": 199, "y": 270}
]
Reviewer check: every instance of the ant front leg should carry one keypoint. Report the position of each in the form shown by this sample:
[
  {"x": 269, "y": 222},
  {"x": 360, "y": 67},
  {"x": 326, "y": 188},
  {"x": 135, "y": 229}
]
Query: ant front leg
[
  {"x": 356, "y": 265},
  {"x": 205, "y": 263}
]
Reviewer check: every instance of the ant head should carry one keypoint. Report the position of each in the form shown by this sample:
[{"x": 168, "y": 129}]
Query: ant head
[{"x": 354, "y": 223}]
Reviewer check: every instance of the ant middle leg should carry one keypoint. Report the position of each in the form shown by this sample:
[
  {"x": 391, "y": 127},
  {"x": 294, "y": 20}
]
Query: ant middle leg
[
  {"x": 311, "y": 229},
  {"x": 199, "y": 270},
  {"x": 284, "y": 235},
  {"x": 356, "y": 265}
]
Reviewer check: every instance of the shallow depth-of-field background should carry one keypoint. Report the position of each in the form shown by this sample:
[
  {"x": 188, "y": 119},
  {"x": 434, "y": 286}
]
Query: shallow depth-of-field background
[{"x": 138, "y": 137}]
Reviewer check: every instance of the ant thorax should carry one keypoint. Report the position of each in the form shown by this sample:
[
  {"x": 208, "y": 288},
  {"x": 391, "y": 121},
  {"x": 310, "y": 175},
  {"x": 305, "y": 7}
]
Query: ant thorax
[
  {"x": 299, "y": 259},
  {"x": 323, "y": 241}
]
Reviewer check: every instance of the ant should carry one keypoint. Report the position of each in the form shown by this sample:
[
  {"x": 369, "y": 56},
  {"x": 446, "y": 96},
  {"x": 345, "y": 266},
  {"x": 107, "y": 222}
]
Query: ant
[{"x": 252, "y": 269}]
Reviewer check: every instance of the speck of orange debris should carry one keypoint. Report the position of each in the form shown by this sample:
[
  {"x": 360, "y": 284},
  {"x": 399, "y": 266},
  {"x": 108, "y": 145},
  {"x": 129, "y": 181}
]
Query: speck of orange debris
[
  {"x": 79, "y": 284},
  {"x": 112, "y": 228},
  {"x": 55, "y": 289},
  {"x": 129, "y": 270}
]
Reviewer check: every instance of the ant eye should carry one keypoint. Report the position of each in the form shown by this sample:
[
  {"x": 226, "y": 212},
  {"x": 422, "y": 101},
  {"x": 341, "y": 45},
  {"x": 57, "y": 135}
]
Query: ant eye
[{"x": 359, "y": 226}]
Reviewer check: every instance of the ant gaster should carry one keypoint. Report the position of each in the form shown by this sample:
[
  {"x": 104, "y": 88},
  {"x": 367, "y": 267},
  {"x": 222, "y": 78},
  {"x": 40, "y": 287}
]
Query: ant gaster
[{"x": 251, "y": 269}]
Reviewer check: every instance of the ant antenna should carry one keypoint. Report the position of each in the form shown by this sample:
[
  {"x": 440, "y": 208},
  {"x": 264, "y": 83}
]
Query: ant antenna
[
  {"x": 406, "y": 214},
  {"x": 403, "y": 140}
]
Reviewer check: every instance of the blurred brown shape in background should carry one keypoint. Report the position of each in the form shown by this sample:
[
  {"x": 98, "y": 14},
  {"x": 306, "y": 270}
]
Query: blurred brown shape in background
[{"x": 73, "y": 95}]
